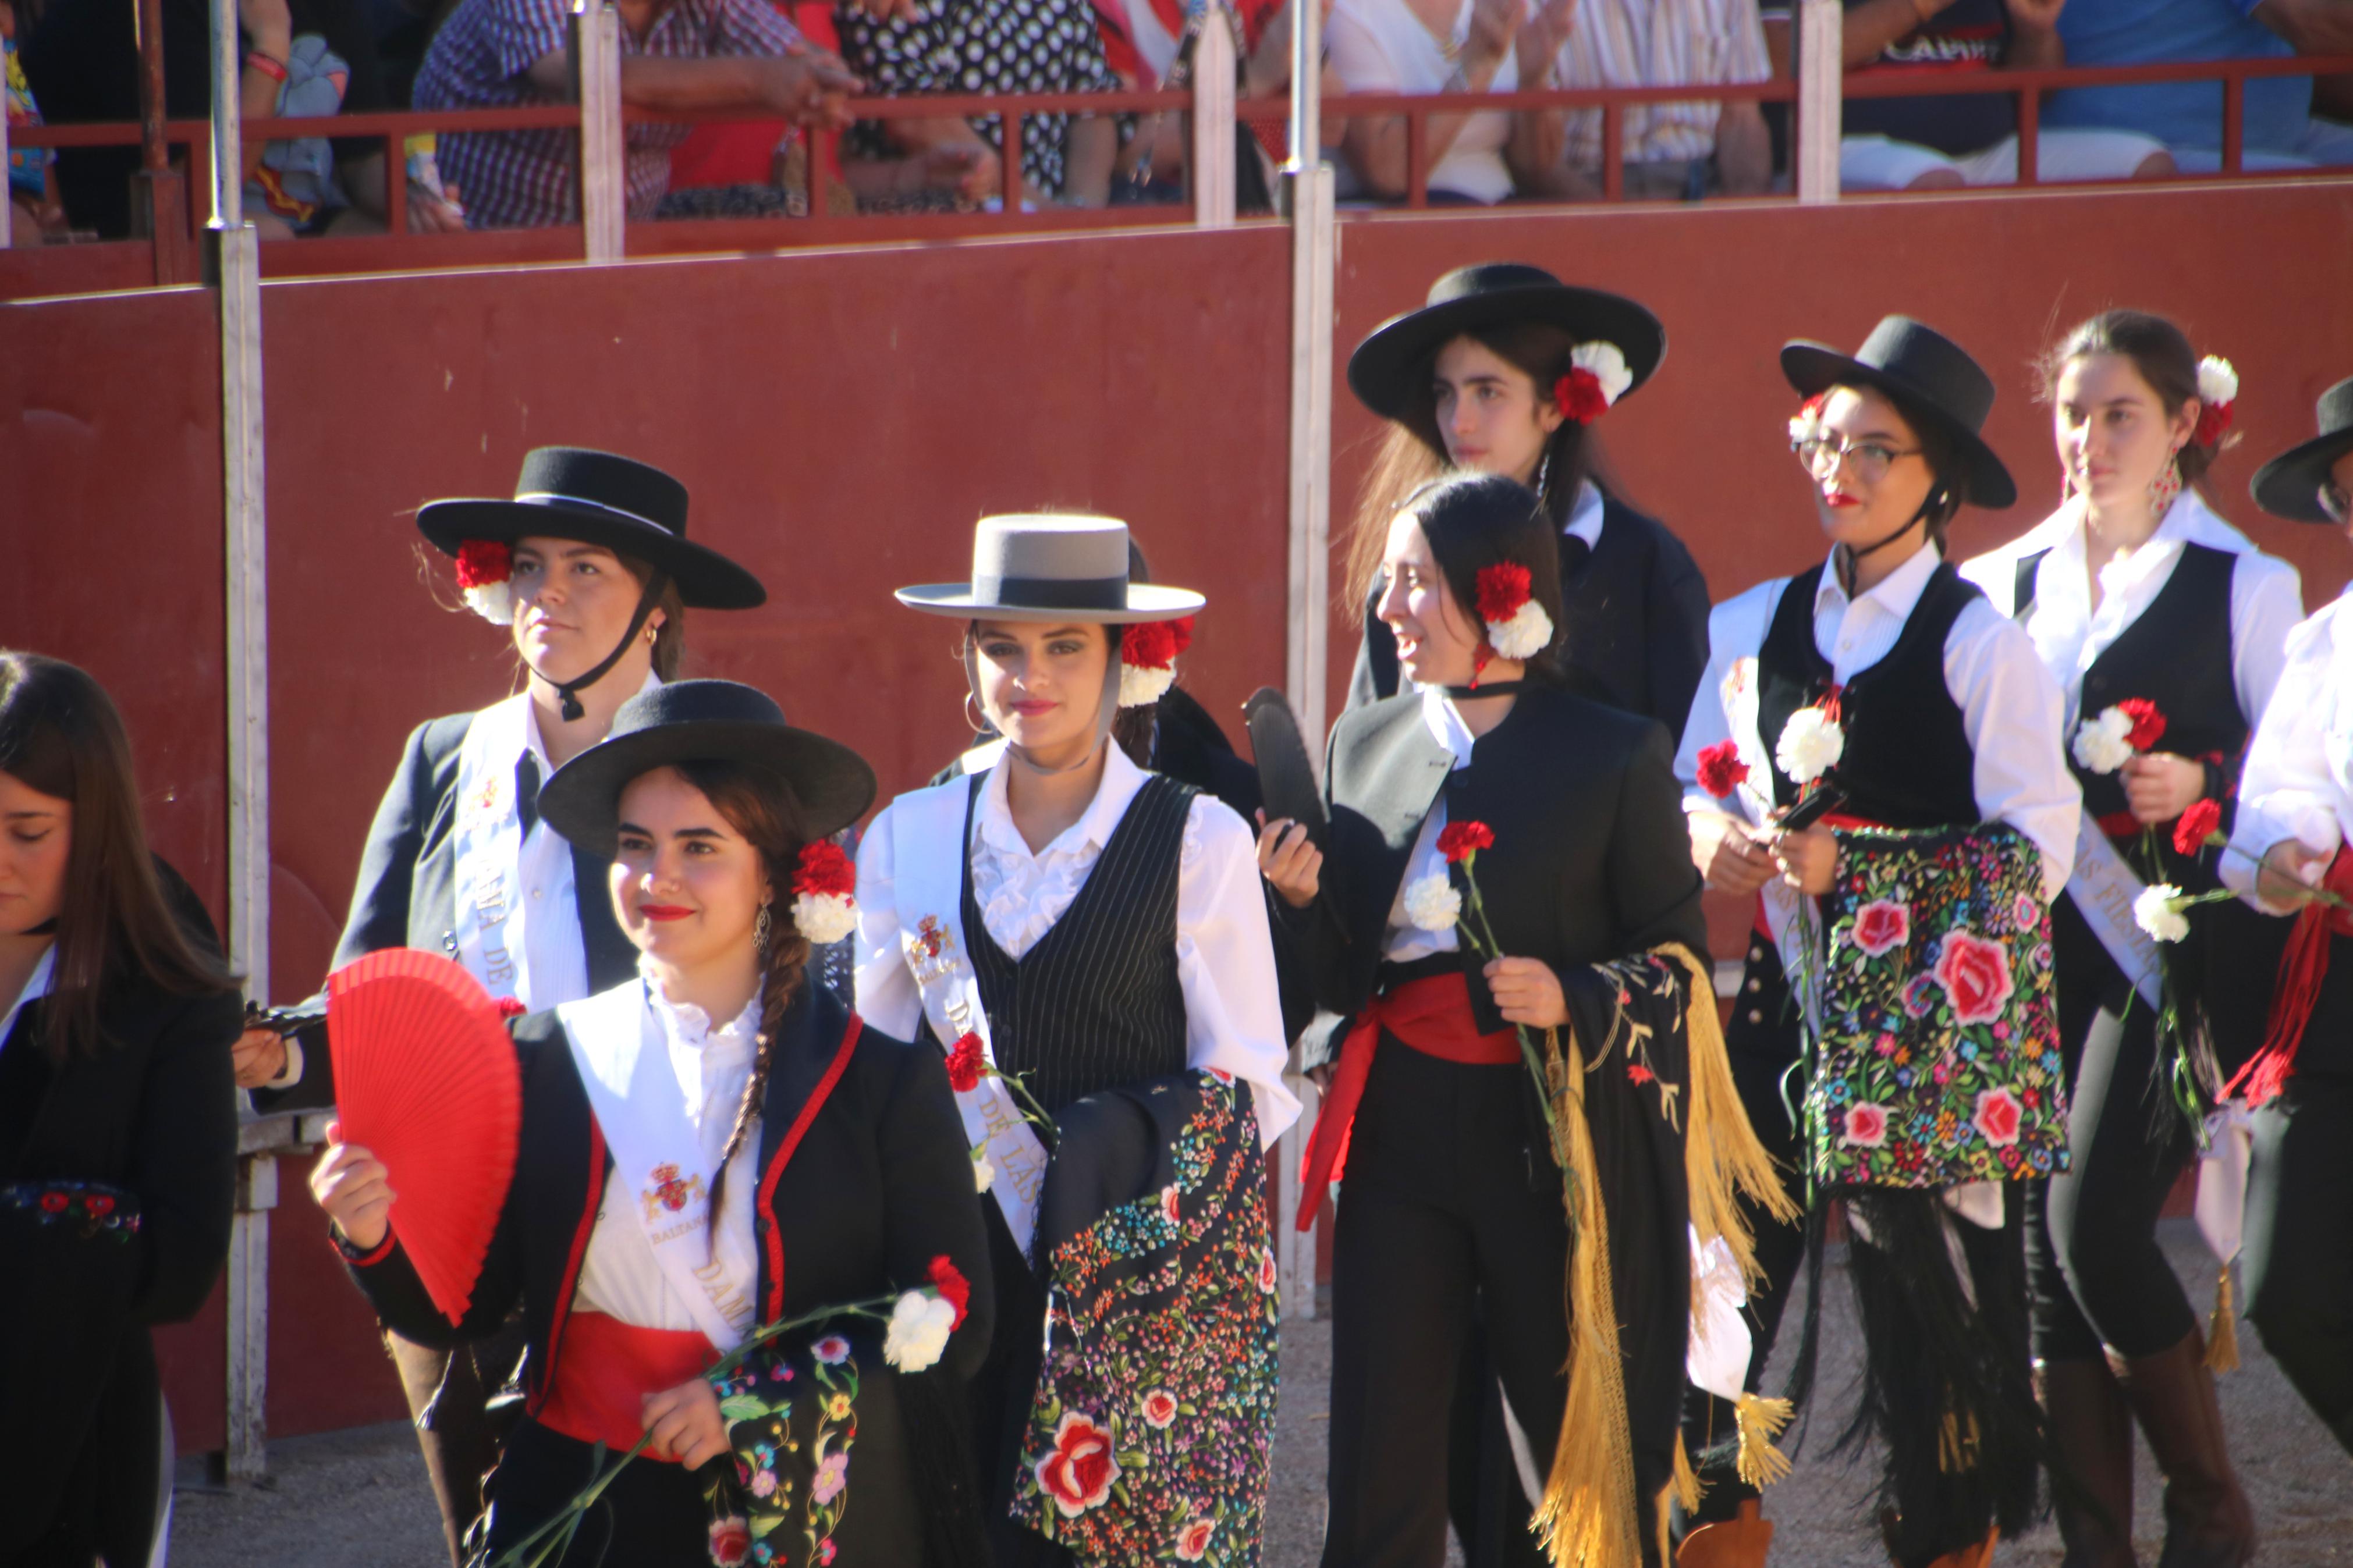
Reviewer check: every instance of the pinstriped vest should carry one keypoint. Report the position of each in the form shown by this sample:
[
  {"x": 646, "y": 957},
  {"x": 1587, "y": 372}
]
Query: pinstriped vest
[{"x": 1096, "y": 1003}]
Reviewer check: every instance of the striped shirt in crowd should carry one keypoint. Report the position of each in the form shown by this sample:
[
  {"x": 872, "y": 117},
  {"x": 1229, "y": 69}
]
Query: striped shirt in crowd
[
  {"x": 1657, "y": 43},
  {"x": 523, "y": 179}
]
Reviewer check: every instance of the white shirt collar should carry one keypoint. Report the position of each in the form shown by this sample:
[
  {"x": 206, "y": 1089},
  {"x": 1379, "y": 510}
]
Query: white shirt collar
[
  {"x": 37, "y": 985},
  {"x": 1121, "y": 779},
  {"x": 1584, "y": 517},
  {"x": 1445, "y": 722},
  {"x": 1896, "y": 594},
  {"x": 538, "y": 748}
]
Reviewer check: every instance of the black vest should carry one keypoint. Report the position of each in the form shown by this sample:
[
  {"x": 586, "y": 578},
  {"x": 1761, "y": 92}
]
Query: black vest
[
  {"x": 1096, "y": 1002},
  {"x": 2177, "y": 654},
  {"x": 1907, "y": 762}
]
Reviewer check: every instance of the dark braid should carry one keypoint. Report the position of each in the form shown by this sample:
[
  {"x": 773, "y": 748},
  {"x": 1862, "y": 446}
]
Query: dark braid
[{"x": 760, "y": 806}]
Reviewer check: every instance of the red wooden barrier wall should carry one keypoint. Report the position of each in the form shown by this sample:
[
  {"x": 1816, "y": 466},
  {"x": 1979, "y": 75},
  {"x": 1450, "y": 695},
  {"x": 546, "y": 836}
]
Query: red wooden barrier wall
[{"x": 842, "y": 417}]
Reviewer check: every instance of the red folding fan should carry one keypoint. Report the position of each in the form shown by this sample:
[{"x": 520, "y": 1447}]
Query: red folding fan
[{"x": 426, "y": 1080}]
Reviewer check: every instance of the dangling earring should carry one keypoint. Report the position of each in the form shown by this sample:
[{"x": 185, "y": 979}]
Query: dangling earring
[
  {"x": 1544, "y": 467},
  {"x": 2165, "y": 486},
  {"x": 974, "y": 716},
  {"x": 761, "y": 929}
]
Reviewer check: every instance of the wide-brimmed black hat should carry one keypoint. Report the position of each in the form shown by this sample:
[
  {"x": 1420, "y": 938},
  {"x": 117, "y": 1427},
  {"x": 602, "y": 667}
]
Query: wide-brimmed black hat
[
  {"x": 1925, "y": 374},
  {"x": 629, "y": 507},
  {"x": 1051, "y": 566},
  {"x": 1389, "y": 372},
  {"x": 2289, "y": 485},
  {"x": 694, "y": 720}
]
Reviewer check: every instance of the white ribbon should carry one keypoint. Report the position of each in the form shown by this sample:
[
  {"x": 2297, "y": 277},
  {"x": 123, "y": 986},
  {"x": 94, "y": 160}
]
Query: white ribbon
[
  {"x": 2104, "y": 888},
  {"x": 1717, "y": 1360},
  {"x": 487, "y": 879},
  {"x": 2223, "y": 1178},
  {"x": 659, "y": 1166},
  {"x": 930, "y": 846}
]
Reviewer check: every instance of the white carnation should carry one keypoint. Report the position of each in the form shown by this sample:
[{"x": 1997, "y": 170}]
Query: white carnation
[
  {"x": 1431, "y": 903},
  {"x": 1526, "y": 634},
  {"x": 2218, "y": 381},
  {"x": 2158, "y": 912},
  {"x": 1607, "y": 366},
  {"x": 825, "y": 918},
  {"x": 1139, "y": 685},
  {"x": 2103, "y": 744},
  {"x": 494, "y": 602},
  {"x": 1801, "y": 428},
  {"x": 919, "y": 1330},
  {"x": 983, "y": 1174},
  {"x": 1811, "y": 745}
]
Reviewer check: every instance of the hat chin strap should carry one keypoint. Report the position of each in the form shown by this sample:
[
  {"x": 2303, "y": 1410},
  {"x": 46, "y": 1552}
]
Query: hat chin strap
[
  {"x": 1106, "y": 712},
  {"x": 1855, "y": 554},
  {"x": 567, "y": 691}
]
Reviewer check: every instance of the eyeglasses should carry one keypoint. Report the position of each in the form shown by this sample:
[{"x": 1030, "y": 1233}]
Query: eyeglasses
[
  {"x": 1868, "y": 460},
  {"x": 2335, "y": 503}
]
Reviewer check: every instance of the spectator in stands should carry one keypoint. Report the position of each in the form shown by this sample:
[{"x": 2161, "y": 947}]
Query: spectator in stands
[
  {"x": 1929, "y": 143},
  {"x": 301, "y": 57},
  {"x": 1671, "y": 150},
  {"x": 677, "y": 55},
  {"x": 1453, "y": 46},
  {"x": 1149, "y": 45},
  {"x": 36, "y": 211},
  {"x": 988, "y": 46},
  {"x": 2186, "y": 116}
]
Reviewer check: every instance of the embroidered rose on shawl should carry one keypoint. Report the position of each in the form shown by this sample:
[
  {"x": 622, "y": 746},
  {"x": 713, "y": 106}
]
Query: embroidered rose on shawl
[
  {"x": 1881, "y": 924},
  {"x": 2201, "y": 822},
  {"x": 1431, "y": 902},
  {"x": 1998, "y": 1117},
  {"x": 832, "y": 1350},
  {"x": 1078, "y": 1474},
  {"x": 2026, "y": 912},
  {"x": 1159, "y": 1409},
  {"x": 1267, "y": 1275},
  {"x": 1975, "y": 973},
  {"x": 484, "y": 569},
  {"x": 832, "y": 1475},
  {"x": 966, "y": 1066},
  {"x": 1811, "y": 745},
  {"x": 1458, "y": 841},
  {"x": 1168, "y": 1203},
  {"x": 1721, "y": 771},
  {"x": 824, "y": 905},
  {"x": 1147, "y": 659},
  {"x": 730, "y": 1540},
  {"x": 1193, "y": 1541},
  {"x": 1864, "y": 1127}
]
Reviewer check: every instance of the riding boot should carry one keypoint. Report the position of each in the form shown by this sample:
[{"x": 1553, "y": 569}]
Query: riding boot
[
  {"x": 1740, "y": 1541},
  {"x": 1977, "y": 1554},
  {"x": 2090, "y": 1429},
  {"x": 2208, "y": 1521}
]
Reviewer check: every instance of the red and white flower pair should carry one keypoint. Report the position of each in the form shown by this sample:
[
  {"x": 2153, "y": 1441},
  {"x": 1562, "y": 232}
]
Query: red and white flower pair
[
  {"x": 1147, "y": 659},
  {"x": 1597, "y": 377},
  {"x": 485, "y": 580},
  {"x": 2218, "y": 394},
  {"x": 1517, "y": 625},
  {"x": 825, "y": 906}
]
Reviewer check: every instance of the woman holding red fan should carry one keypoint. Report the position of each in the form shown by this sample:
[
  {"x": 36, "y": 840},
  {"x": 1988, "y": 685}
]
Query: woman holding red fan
[
  {"x": 1088, "y": 943},
  {"x": 1506, "y": 876},
  {"x": 715, "y": 1144},
  {"x": 589, "y": 566},
  {"x": 2166, "y": 630},
  {"x": 118, "y": 1130}
]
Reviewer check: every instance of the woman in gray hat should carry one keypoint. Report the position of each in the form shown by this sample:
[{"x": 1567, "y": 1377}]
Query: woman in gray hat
[
  {"x": 1879, "y": 700},
  {"x": 2295, "y": 817},
  {"x": 589, "y": 567},
  {"x": 1087, "y": 940}
]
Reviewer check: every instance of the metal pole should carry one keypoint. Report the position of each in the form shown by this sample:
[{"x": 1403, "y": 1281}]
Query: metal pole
[
  {"x": 247, "y": 1439},
  {"x": 1213, "y": 118},
  {"x": 153, "y": 155},
  {"x": 1820, "y": 66},
  {"x": 229, "y": 122},
  {"x": 597, "y": 83},
  {"x": 1306, "y": 88}
]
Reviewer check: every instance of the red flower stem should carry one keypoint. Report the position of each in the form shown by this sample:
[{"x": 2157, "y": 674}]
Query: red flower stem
[{"x": 1032, "y": 1113}]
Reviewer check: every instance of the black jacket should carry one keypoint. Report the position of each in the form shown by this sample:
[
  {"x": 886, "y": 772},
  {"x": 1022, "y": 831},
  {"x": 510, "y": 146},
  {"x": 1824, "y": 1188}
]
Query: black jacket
[
  {"x": 880, "y": 1184},
  {"x": 154, "y": 1114},
  {"x": 1636, "y": 624},
  {"x": 407, "y": 896},
  {"x": 1591, "y": 860}
]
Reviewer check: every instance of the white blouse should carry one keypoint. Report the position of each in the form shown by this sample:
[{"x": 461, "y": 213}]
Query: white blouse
[
  {"x": 1405, "y": 942},
  {"x": 2299, "y": 780},
  {"x": 2010, "y": 708},
  {"x": 2267, "y": 597},
  {"x": 1225, "y": 952},
  {"x": 619, "y": 1275},
  {"x": 1380, "y": 46}
]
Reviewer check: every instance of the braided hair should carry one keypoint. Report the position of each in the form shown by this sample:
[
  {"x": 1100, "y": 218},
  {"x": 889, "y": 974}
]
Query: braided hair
[{"x": 758, "y": 804}]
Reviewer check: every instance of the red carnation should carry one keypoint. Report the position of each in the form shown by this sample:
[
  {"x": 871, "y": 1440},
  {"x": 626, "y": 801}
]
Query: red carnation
[
  {"x": 2147, "y": 722},
  {"x": 1581, "y": 396},
  {"x": 953, "y": 1286},
  {"x": 2199, "y": 823},
  {"x": 509, "y": 1007},
  {"x": 1458, "y": 841},
  {"x": 824, "y": 871},
  {"x": 1154, "y": 645},
  {"x": 1721, "y": 771},
  {"x": 965, "y": 1067},
  {"x": 482, "y": 561},
  {"x": 2213, "y": 424},
  {"x": 1502, "y": 589}
]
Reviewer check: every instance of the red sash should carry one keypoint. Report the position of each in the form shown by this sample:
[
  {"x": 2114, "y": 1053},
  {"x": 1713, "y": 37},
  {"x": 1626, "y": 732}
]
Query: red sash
[
  {"x": 606, "y": 1371},
  {"x": 2303, "y": 966},
  {"x": 1432, "y": 1014}
]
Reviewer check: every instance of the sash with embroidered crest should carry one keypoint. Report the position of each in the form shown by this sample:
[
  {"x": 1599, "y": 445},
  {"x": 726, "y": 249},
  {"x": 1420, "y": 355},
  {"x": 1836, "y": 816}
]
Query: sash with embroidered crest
[
  {"x": 659, "y": 1165},
  {"x": 492, "y": 906},
  {"x": 930, "y": 844}
]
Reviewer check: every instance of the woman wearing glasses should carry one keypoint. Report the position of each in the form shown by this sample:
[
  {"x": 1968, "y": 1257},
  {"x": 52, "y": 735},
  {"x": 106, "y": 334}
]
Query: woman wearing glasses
[
  {"x": 1912, "y": 914},
  {"x": 2136, "y": 594},
  {"x": 2296, "y": 815}
]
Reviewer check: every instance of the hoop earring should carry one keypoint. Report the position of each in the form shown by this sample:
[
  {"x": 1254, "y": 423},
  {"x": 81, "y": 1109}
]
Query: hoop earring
[
  {"x": 975, "y": 719},
  {"x": 762, "y": 929}
]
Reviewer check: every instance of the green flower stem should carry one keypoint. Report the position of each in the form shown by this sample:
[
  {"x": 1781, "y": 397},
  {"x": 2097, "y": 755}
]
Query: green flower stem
[
  {"x": 1482, "y": 940},
  {"x": 551, "y": 1539}
]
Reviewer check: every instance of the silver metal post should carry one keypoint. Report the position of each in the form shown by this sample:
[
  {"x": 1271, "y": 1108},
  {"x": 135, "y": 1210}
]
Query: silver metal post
[
  {"x": 228, "y": 151},
  {"x": 248, "y": 1458},
  {"x": 1821, "y": 69},
  {"x": 597, "y": 83},
  {"x": 1213, "y": 118},
  {"x": 1306, "y": 87}
]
